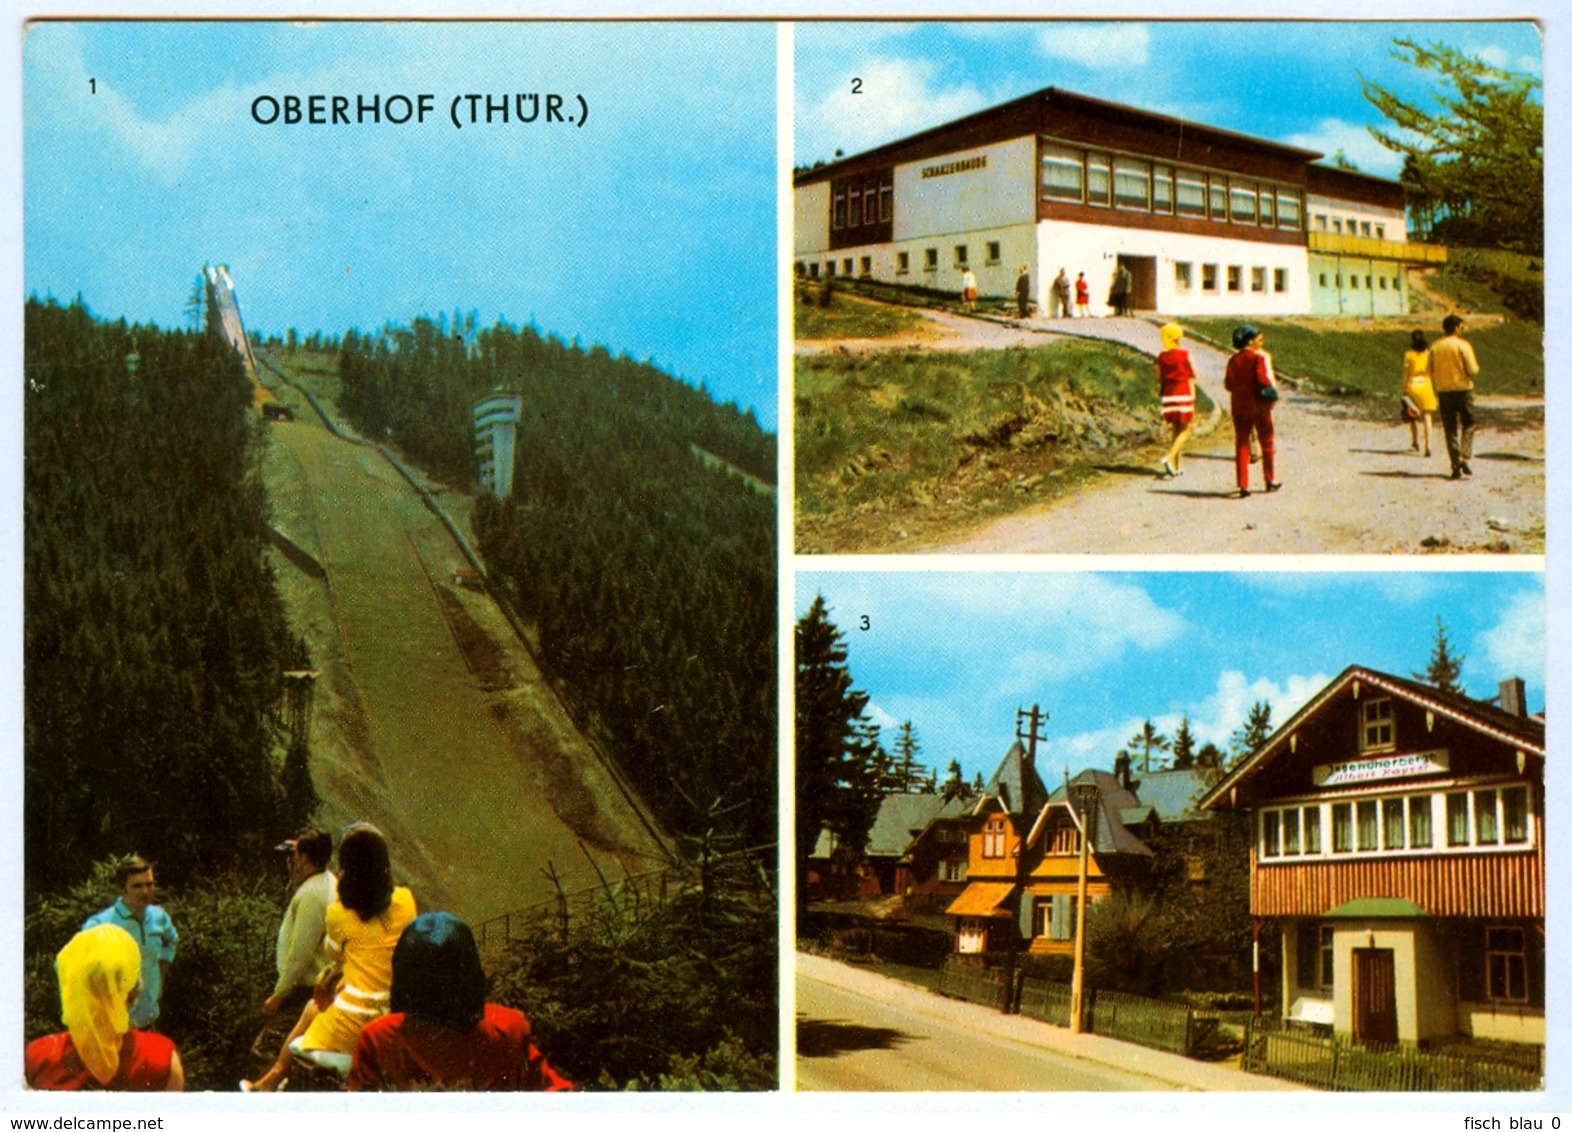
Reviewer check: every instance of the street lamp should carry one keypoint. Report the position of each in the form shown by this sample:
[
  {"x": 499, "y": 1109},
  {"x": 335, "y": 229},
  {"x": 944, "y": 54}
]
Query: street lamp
[{"x": 1086, "y": 796}]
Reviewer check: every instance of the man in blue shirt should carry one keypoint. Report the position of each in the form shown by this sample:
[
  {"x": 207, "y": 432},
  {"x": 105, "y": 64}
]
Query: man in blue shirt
[{"x": 152, "y": 929}]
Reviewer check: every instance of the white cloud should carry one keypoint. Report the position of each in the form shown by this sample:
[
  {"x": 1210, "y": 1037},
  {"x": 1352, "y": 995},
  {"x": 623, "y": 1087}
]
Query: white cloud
[
  {"x": 877, "y": 100},
  {"x": 1356, "y": 142},
  {"x": 1516, "y": 645},
  {"x": 1098, "y": 47},
  {"x": 1394, "y": 588}
]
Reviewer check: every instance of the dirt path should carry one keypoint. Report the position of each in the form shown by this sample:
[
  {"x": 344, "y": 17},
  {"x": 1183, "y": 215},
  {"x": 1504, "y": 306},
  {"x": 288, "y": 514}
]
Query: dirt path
[
  {"x": 1351, "y": 485},
  {"x": 430, "y": 719}
]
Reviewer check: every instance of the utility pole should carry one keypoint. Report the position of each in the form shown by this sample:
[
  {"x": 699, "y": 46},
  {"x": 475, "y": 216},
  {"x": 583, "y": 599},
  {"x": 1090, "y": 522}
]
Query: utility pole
[
  {"x": 1086, "y": 794},
  {"x": 1033, "y": 720}
]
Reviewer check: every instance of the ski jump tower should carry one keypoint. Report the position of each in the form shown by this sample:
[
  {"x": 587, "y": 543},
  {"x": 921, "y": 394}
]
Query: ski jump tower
[
  {"x": 496, "y": 428},
  {"x": 221, "y": 300}
]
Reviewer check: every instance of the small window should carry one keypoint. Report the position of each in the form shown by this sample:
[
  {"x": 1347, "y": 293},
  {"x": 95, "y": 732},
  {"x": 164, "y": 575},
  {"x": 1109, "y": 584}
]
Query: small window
[
  {"x": 993, "y": 251},
  {"x": 1368, "y": 285},
  {"x": 867, "y": 265},
  {"x": 1328, "y": 938},
  {"x": 1383, "y": 282},
  {"x": 960, "y": 255},
  {"x": 953, "y": 869},
  {"x": 1342, "y": 827},
  {"x": 1367, "y": 826},
  {"x": 1099, "y": 178},
  {"x": 1392, "y": 823},
  {"x": 1288, "y": 210},
  {"x": 1337, "y": 225},
  {"x": 993, "y": 839},
  {"x": 1514, "y": 810},
  {"x": 903, "y": 262},
  {"x": 1280, "y": 279},
  {"x": 1183, "y": 276},
  {"x": 1364, "y": 227},
  {"x": 1190, "y": 199},
  {"x": 1271, "y": 834},
  {"x": 1258, "y": 279},
  {"x": 1380, "y": 231},
  {"x": 1457, "y": 819},
  {"x": 1506, "y": 965},
  {"x": 1209, "y": 277},
  {"x": 1133, "y": 184},
  {"x": 1486, "y": 829},
  {"x": 1235, "y": 278},
  {"x": 1313, "y": 829},
  {"x": 1419, "y": 822},
  {"x": 1241, "y": 208},
  {"x": 1062, "y": 174},
  {"x": 1290, "y": 833},
  {"x": 813, "y": 271},
  {"x": 1353, "y": 282},
  {"x": 1322, "y": 279},
  {"x": 930, "y": 259},
  {"x": 1377, "y": 731},
  {"x": 870, "y": 206},
  {"x": 1162, "y": 189},
  {"x": 886, "y": 203},
  {"x": 1268, "y": 209},
  {"x": 829, "y": 269},
  {"x": 1217, "y": 193},
  {"x": 838, "y": 213},
  {"x": 846, "y": 265}
]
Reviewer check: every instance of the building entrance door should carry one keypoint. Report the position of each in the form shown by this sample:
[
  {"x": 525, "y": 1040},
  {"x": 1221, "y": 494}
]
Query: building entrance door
[
  {"x": 1143, "y": 281},
  {"x": 1375, "y": 995}
]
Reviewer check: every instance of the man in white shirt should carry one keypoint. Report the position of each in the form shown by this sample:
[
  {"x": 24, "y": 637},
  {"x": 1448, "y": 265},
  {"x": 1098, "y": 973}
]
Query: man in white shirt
[{"x": 300, "y": 953}]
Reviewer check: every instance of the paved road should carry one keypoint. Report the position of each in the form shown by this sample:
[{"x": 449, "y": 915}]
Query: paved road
[{"x": 858, "y": 1031}]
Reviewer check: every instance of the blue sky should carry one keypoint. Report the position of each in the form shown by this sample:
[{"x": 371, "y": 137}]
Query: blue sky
[
  {"x": 650, "y": 230},
  {"x": 1295, "y": 83},
  {"x": 958, "y": 653}
]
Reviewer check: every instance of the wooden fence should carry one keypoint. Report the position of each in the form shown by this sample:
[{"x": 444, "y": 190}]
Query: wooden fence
[
  {"x": 1145, "y": 1021},
  {"x": 1340, "y": 1065}
]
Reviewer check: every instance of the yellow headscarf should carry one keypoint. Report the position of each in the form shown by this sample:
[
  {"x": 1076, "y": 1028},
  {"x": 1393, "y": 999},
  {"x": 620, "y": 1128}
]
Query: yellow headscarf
[
  {"x": 98, "y": 970},
  {"x": 1171, "y": 333}
]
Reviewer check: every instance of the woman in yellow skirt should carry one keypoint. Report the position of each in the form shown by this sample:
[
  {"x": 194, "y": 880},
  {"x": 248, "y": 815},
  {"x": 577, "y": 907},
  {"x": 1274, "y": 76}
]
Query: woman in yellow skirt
[{"x": 1419, "y": 397}]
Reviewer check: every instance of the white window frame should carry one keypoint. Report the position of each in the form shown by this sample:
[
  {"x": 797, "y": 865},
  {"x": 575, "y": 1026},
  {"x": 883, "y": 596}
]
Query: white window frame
[
  {"x": 1377, "y": 728},
  {"x": 1427, "y": 819}
]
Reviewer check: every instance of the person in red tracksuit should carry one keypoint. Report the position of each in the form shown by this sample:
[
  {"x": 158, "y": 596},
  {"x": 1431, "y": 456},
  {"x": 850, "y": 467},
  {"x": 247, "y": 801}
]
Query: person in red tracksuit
[{"x": 1252, "y": 391}]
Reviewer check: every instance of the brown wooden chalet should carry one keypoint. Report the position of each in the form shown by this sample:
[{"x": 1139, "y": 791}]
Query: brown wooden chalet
[
  {"x": 1399, "y": 844},
  {"x": 1023, "y": 879}
]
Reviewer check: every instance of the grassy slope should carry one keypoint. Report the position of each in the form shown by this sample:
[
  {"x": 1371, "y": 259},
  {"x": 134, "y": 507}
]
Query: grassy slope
[{"x": 889, "y": 444}]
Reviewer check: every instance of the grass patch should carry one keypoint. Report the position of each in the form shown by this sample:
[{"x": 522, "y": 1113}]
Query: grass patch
[
  {"x": 848, "y": 317},
  {"x": 925, "y": 444},
  {"x": 1370, "y": 361}
]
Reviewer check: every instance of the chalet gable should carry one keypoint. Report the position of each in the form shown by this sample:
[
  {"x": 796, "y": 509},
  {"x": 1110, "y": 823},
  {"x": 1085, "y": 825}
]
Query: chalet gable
[{"x": 1370, "y": 730}]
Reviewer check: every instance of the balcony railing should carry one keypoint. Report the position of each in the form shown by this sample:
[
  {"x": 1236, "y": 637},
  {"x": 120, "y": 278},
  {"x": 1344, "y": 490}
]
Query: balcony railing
[{"x": 1334, "y": 243}]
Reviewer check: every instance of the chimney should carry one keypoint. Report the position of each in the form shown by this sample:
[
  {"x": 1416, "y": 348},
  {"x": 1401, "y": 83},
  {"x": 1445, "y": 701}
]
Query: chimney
[
  {"x": 1122, "y": 768},
  {"x": 1513, "y": 697}
]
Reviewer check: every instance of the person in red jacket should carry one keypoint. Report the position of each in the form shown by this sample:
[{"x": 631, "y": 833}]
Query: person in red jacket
[
  {"x": 1252, "y": 391},
  {"x": 441, "y": 1033},
  {"x": 1176, "y": 388},
  {"x": 99, "y": 972}
]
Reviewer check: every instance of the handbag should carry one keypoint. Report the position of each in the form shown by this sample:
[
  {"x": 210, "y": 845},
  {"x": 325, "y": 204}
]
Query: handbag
[
  {"x": 1410, "y": 410},
  {"x": 1266, "y": 393}
]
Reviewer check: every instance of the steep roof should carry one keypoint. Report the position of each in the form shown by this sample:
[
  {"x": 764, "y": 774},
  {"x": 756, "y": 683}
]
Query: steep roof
[
  {"x": 900, "y": 818},
  {"x": 1014, "y": 787},
  {"x": 1110, "y": 834},
  {"x": 1174, "y": 794},
  {"x": 1527, "y": 733}
]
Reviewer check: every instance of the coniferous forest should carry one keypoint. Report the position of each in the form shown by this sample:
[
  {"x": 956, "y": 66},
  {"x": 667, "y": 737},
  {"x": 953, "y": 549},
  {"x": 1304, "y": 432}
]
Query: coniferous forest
[
  {"x": 647, "y": 574},
  {"x": 153, "y": 636}
]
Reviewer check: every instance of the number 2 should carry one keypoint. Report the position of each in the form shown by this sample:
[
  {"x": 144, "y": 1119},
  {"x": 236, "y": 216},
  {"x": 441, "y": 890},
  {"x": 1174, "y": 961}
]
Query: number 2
[{"x": 856, "y": 86}]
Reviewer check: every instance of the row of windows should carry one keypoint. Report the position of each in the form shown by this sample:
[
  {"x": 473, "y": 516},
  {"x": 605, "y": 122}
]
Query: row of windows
[
  {"x": 872, "y": 202},
  {"x": 1086, "y": 177},
  {"x": 1465, "y": 819},
  {"x": 1234, "y": 277},
  {"x": 1353, "y": 227},
  {"x": 1370, "y": 281}
]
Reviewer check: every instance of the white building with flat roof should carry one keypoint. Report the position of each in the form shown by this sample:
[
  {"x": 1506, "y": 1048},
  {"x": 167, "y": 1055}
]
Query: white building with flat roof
[{"x": 1207, "y": 221}]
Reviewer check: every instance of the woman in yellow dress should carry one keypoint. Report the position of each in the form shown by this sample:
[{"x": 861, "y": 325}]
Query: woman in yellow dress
[
  {"x": 363, "y": 927},
  {"x": 1419, "y": 397}
]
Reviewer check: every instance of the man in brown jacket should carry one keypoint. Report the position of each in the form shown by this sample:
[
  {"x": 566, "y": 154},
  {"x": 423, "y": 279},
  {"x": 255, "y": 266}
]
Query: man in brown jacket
[{"x": 1452, "y": 371}]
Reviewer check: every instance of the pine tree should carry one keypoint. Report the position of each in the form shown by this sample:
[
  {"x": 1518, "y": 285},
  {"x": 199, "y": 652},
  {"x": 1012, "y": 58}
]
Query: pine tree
[
  {"x": 1252, "y": 736},
  {"x": 910, "y": 774},
  {"x": 1184, "y": 745},
  {"x": 837, "y": 770},
  {"x": 955, "y": 786},
  {"x": 1445, "y": 666},
  {"x": 1147, "y": 740}
]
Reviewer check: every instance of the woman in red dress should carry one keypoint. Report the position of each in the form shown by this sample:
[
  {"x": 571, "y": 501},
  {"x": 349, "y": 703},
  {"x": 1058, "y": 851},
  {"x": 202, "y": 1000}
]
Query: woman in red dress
[
  {"x": 98, "y": 972},
  {"x": 1176, "y": 387}
]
